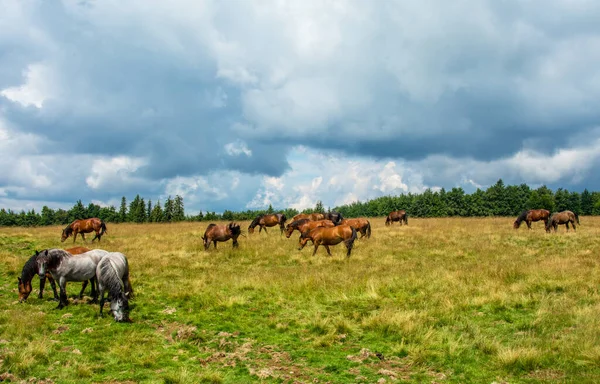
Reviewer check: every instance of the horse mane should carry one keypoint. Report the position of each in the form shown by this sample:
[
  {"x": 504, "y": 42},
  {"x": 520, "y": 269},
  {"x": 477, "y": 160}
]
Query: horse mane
[
  {"x": 30, "y": 269},
  {"x": 297, "y": 223},
  {"x": 68, "y": 230},
  {"x": 521, "y": 217},
  {"x": 110, "y": 279},
  {"x": 54, "y": 257},
  {"x": 254, "y": 222},
  {"x": 282, "y": 217},
  {"x": 234, "y": 228},
  {"x": 211, "y": 225}
]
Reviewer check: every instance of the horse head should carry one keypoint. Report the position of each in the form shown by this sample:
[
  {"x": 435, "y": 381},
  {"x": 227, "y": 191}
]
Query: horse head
[
  {"x": 24, "y": 290},
  {"x": 42, "y": 262},
  {"x": 120, "y": 307},
  {"x": 288, "y": 230},
  {"x": 66, "y": 233}
]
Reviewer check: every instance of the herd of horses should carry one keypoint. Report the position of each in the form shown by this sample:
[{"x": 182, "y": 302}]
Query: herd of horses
[{"x": 109, "y": 271}]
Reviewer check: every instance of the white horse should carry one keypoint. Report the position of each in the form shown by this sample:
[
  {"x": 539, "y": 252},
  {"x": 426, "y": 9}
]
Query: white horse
[
  {"x": 113, "y": 275},
  {"x": 65, "y": 267}
]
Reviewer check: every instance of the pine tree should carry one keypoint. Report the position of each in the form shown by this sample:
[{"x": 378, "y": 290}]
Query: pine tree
[
  {"x": 157, "y": 213},
  {"x": 178, "y": 209},
  {"x": 149, "y": 211},
  {"x": 587, "y": 204},
  {"x": 168, "y": 211},
  {"x": 123, "y": 210},
  {"x": 318, "y": 208}
]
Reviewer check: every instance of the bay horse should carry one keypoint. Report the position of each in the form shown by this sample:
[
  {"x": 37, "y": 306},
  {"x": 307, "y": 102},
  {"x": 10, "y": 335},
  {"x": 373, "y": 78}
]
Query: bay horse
[
  {"x": 335, "y": 217},
  {"x": 310, "y": 216},
  {"x": 112, "y": 273},
  {"x": 216, "y": 233},
  {"x": 84, "y": 226},
  {"x": 361, "y": 225},
  {"x": 564, "y": 217},
  {"x": 304, "y": 225},
  {"x": 30, "y": 269},
  {"x": 330, "y": 236},
  {"x": 264, "y": 221},
  {"x": 532, "y": 215},
  {"x": 399, "y": 216},
  {"x": 65, "y": 267}
]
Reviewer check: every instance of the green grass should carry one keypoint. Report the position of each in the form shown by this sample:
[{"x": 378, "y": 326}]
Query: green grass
[{"x": 440, "y": 300}]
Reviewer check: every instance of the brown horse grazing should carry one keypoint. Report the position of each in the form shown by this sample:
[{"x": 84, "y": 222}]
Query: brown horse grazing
[
  {"x": 304, "y": 225},
  {"x": 216, "y": 233},
  {"x": 361, "y": 225},
  {"x": 329, "y": 236},
  {"x": 399, "y": 216},
  {"x": 309, "y": 216},
  {"x": 84, "y": 226},
  {"x": 264, "y": 221},
  {"x": 532, "y": 215},
  {"x": 30, "y": 269},
  {"x": 564, "y": 217}
]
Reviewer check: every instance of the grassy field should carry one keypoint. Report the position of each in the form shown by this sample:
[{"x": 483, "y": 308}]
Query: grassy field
[{"x": 437, "y": 301}]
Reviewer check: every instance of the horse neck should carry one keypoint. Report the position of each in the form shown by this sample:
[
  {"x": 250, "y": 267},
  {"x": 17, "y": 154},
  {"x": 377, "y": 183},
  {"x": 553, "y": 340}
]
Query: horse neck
[{"x": 30, "y": 269}]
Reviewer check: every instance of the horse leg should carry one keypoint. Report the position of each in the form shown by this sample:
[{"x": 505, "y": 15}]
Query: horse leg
[
  {"x": 75, "y": 236},
  {"x": 62, "y": 284},
  {"x": 265, "y": 229},
  {"x": 101, "y": 294},
  {"x": 348, "y": 245},
  {"x": 42, "y": 283},
  {"x": 94, "y": 283},
  {"x": 567, "y": 225},
  {"x": 83, "y": 286},
  {"x": 328, "y": 250},
  {"x": 215, "y": 243},
  {"x": 528, "y": 224},
  {"x": 96, "y": 237},
  {"x": 316, "y": 243},
  {"x": 83, "y": 237},
  {"x": 53, "y": 285}
]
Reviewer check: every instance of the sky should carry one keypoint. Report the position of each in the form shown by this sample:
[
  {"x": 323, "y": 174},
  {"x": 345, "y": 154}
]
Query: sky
[{"x": 240, "y": 104}]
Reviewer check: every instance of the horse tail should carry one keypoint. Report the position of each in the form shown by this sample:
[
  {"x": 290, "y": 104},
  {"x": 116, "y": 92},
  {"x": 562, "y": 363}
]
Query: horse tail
[
  {"x": 129, "y": 293},
  {"x": 368, "y": 229},
  {"x": 406, "y": 218},
  {"x": 350, "y": 241},
  {"x": 102, "y": 227},
  {"x": 576, "y": 217}
]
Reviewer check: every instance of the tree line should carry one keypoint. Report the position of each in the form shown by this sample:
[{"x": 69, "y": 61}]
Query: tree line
[{"x": 497, "y": 200}]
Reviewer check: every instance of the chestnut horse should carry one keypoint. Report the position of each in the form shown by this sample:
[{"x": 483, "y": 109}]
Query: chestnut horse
[
  {"x": 399, "y": 216},
  {"x": 225, "y": 232},
  {"x": 532, "y": 215},
  {"x": 330, "y": 236},
  {"x": 304, "y": 225},
  {"x": 30, "y": 269},
  {"x": 264, "y": 221},
  {"x": 84, "y": 226},
  {"x": 361, "y": 225},
  {"x": 309, "y": 216},
  {"x": 564, "y": 217}
]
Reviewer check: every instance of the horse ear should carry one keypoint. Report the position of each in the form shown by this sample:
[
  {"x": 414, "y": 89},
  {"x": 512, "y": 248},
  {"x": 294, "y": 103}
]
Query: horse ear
[{"x": 20, "y": 281}]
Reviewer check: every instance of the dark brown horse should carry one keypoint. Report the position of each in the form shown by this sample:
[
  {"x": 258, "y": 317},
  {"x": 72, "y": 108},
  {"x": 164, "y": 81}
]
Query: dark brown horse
[
  {"x": 564, "y": 217},
  {"x": 335, "y": 217},
  {"x": 532, "y": 215},
  {"x": 225, "y": 232},
  {"x": 84, "y": 226},
  {"x": 309, "y": 216},
  {"x": 30, "y": 269},
  {"x": 361, "y": 225},
  {"x": 399, "y": 216},
  {"x": 264, "y": 221},
  {"x": 330, "y": 236},
  {"x": 304, "y": 225}
]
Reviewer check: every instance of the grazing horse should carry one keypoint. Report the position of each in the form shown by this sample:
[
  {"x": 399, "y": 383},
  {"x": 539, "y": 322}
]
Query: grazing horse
[
  {"x": 264, "y": 221},
  {"x": 335, "y": 217},
  {"x": 304, "y": 225},
  {"x": 329, "y": 236},
  {"x": 530, "y": 216},
  {"x": 564, "y": 217},
  {"x": 399, "y": 216},
  {"x": 112, "y": 273},
  {"x": 84, "y": 226},
  {"x": 361, "y": 225},
  {"x": 309, "y": 216},
  {"x": 216, "y": 233},
  {"x": 30, "y": 269},
  {"x": 65, "y": 267}
]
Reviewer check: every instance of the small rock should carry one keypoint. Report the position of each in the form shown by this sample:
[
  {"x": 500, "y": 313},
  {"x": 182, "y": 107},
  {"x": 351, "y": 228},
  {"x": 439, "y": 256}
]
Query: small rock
[{"x": 77, "y": 352}]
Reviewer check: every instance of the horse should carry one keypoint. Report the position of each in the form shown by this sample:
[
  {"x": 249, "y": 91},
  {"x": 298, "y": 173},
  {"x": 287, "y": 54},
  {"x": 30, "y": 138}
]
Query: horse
[
  {"x": 361, "y": 225},
  {"x": 399, "y": 216},
  {"x": 564, "y": 217},
  {"x": 65, "y": 267},
  {"x": 264, "y": 221},
  {"x": 330, "y": 236},
  {"x": 216, "y": 233},
  {"x": 304, "y": 225},
  {"x": 112, "y": 273},
  {"x": 309, "y": 216},
  {"x": 530, "y": 216},
  {"x": 84, "y": 226},
  {"x": 30, "y": 269},
  {"x": 335, "y": 217}
]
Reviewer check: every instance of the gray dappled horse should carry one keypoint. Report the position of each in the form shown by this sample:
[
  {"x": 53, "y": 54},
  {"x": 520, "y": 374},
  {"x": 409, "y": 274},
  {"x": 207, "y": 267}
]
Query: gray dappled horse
[{"x": 113, "y": 276}]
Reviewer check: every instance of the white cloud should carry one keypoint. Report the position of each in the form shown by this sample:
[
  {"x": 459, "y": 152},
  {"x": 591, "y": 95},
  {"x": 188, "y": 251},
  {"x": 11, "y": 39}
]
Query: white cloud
[
  {"x": 237, "y": 148},
  {"x": 107, "y": 172},
  {"x": 36, "y": 88}
]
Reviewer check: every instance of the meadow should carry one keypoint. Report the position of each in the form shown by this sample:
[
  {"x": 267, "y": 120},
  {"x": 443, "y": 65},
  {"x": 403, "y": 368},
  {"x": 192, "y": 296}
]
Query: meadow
[{"x": 451, "y": 300}]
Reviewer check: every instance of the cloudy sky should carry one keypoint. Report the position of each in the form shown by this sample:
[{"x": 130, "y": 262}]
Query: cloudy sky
[{"x": 239, "y": 104}]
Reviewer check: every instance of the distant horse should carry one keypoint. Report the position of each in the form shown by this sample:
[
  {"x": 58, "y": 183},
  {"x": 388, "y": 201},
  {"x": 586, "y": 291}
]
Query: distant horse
[
  {"x": 65, "y": 267},
  {"x": 264, "y": 221},
  {"x": 310, "y": 216},
  {"x": 84, "y": 226},
  {"x": 335, "y": 217},
  {"x": 113, "y": 276},
  {"x": 216, "y": 233},
  {"x": 361, "y": 225},
  {"x": 564, "y": 217},
  {"x": 329, "y": 236},
  {"x": 30, "y": 269},
  {"x": 304, "y": 225},
  {"x": 399, "y": 216},
  {"x": 530, "y": 216}
]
